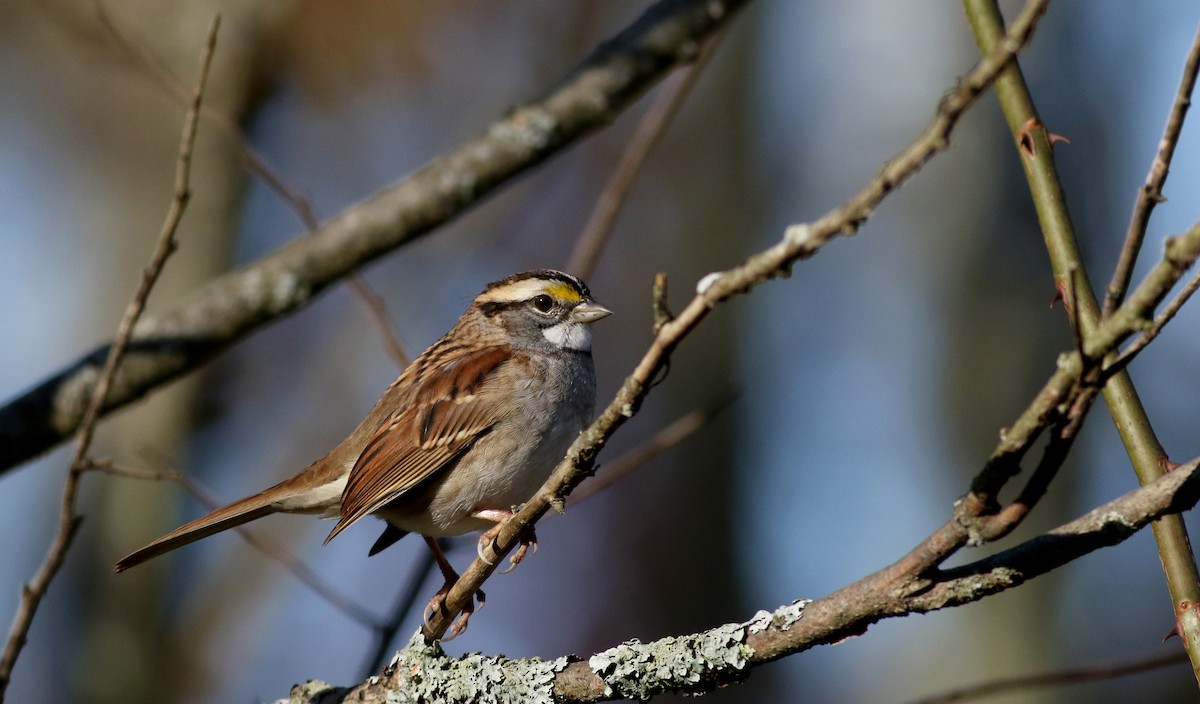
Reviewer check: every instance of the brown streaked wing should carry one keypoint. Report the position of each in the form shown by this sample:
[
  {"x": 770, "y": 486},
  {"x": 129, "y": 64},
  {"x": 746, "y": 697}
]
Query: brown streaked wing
[{"x": 445, "y": 418}]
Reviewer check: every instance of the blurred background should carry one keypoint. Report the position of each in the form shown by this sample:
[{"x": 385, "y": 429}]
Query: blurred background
[{"x": 870, "y": 387}]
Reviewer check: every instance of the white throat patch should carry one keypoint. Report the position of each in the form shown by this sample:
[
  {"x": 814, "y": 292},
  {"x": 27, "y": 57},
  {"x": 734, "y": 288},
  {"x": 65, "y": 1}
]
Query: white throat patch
[{"x": 569, "y": 335}]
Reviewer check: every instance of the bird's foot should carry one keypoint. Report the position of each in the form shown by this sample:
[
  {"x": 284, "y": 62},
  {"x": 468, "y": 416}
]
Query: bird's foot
[
  {"x": 438, "y": 604},
  {"x": 487, "y": 543}
]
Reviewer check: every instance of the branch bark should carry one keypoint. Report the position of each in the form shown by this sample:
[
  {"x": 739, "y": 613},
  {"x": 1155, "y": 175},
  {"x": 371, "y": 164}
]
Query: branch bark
[
  {"x": 724, "y": 655},
  {"x": 179, "y": 340}
]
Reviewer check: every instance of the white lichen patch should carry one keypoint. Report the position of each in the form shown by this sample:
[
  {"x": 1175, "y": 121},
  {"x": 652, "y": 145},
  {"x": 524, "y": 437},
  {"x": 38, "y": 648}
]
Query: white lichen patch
[
  {"x": 707, "y": 281},
  {"x": 1114, "y": 518},
  {"x": 307, "y": 692},
  {"x": 798, "y": 235},
  {"x": 423, "y": 673},
  {"x": 530, "y": 127},
  {"x": 639, "y": 671},
  {"x": 782, "y": 618}
]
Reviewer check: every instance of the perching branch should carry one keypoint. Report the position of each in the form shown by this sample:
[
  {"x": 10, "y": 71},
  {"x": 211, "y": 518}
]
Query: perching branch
[
  {"x": 166, "y": 346},
  {"x": 700, "y": 662},
  {"x": 799, "y": 242}
]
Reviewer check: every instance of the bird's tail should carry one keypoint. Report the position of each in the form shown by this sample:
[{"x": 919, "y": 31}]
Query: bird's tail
[{"x": 224, "y": 518}]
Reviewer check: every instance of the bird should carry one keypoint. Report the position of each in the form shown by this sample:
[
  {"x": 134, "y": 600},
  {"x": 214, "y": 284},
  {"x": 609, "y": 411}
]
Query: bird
[{"x": 468, "y": 431}]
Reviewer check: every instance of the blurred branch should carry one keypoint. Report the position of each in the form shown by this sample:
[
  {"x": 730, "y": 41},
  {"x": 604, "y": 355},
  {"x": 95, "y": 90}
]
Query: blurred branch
[
  {"x": 662, "y": 441},
  {"x": 1035, "y": 145},
  {"x": 654, "y": 122},
  {"x": 1150, "y": 194},
  {"x": 1093, "y": 673},
  {"x": 68, "y": 523},
  {"x": 377, "y": 310},
  {"x": 701, "y": 662},
  {"x": 177, "y": 341},
  {"x": 406, "y": 602},
  {"x": 259, "y": 166},
  {"x": 799, "y": 241}
]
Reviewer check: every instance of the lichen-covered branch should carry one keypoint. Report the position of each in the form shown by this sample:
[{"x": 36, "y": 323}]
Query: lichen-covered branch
[
  {"x": 724, "y": 655},
  {"x": 178, "y": 340}
]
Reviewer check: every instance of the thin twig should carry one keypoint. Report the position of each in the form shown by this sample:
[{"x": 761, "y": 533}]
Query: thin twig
[
  {"x": 1091, "y": 673},
  {"x": 376, "y": 309},
  {"x": 799, "y": 241},
  {"x": 1150, "y": 194},
  {"x": 258, "y": 165},
  {"x": 662, "y": 441},
  {"x": 654, "y": 122},
  {"x": 35, "y": 589},
  {"x": 1133, "y": 423},
  {"x": 406, "y": 601},
  {"x": 1160, "y": 321}
]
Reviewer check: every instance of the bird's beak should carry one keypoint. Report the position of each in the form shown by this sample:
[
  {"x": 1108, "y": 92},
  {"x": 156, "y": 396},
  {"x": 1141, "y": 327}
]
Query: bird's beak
[{"x": 589, "y": 312}]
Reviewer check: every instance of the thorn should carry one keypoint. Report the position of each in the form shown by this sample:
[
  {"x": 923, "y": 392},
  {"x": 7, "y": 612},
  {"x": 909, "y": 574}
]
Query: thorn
[
  {"x": 1026, "y": 141},
  {"x": 1025, "y": 137},
  {"x": 1060, "y": 291}
]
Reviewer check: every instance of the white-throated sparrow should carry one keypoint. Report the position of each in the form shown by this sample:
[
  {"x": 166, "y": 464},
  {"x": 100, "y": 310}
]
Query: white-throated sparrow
[{"x": 470, "y": 429}]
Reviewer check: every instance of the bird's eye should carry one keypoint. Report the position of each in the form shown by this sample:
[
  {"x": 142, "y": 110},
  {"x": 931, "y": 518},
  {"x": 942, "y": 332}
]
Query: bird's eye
[{"x": 543, "y": 303}]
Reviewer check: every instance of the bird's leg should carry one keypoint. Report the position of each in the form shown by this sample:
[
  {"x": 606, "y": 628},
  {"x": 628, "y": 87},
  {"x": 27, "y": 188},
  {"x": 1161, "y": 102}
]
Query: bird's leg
[
  {"x": 488, "y": 537},
  {"x": 438, "y": 602}
]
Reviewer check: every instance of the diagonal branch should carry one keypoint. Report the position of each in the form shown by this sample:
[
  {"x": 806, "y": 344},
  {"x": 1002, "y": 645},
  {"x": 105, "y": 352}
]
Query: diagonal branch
[
  {"x": 1150, "y": 194},
  {"x": 799, "y": 242},
  {"x": 177, "y": 341},
  {"x": 1147, "y": 456}
]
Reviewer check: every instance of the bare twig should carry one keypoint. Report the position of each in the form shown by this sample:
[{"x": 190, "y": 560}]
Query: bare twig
[
  {"x": 654, "y": 122},
  {"x": 406, "y": 602},
  {"x": 35, "y": 589},
  {"x": 1160, "y": 321},
  {"x": 1150, "y": 194},
  {"x": 258, "y": 165},
  {"x": 662, "y": 441},
  {"x": 377, "y": 310},
  {"x": 1133, "y": 424},
  {"x": 799, "y": 241},
  {"x": 1092, "y": 673}
]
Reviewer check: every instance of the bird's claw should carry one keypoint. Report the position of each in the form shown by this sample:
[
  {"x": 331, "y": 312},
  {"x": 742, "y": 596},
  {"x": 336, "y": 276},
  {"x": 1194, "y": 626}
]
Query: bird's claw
[{"x": 438, "y": 604}]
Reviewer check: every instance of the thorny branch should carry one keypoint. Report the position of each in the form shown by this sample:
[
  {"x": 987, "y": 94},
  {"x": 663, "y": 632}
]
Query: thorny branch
[{"x": 35, "y": 589}]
